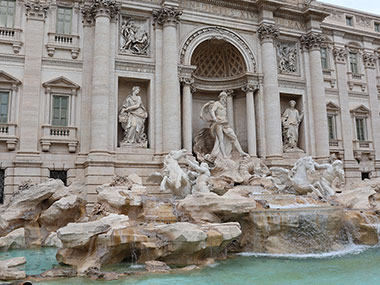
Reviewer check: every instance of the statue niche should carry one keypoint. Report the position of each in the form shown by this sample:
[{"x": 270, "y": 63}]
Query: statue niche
[
  {"x": 291, "y": 120},
  {"x": 132, "y": 116}
]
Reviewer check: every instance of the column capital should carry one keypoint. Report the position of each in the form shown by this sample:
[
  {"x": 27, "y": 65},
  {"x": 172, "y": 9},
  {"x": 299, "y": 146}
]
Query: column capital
[
  {"x": 167, "y": 15},
  {"x": 311, "y": 40},
  {"x": 250, "y": 87},
  {"x": 186, "y": 80},
  {"x": 369, "y": 60},
  {"x": 36, "y": 10},
  {"x": 267, "y": 32},
  {"x": 100, "y": 8},
  {"x": 340, "y": 55}
]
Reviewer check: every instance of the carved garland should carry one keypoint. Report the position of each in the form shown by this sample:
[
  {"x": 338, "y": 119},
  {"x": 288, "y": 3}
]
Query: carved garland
[
  {"x": 166, "y": 15},
  {"x": 222, "y": 31}
]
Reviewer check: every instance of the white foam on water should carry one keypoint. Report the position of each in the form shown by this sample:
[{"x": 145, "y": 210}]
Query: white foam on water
[
  {"x": 215, "y": 264},
  {"x": 291, "y": 206},
  {"x": 137, "y": 266},
  {"x": 351, "y": 249}
]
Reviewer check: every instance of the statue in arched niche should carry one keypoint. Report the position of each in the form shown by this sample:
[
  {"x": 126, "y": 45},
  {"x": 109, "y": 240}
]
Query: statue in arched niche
[
  {"x": 291, "y": 120},
  {"x": 132, "y": 116}
]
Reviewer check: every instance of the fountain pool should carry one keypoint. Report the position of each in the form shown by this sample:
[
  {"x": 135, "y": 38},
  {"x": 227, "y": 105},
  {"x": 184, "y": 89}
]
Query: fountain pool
[{"x": 355, "y": 265}]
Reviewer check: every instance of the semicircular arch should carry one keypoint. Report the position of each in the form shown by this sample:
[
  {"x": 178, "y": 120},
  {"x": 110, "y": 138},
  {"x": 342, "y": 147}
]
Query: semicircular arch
[{"x": 215, "y": 32}]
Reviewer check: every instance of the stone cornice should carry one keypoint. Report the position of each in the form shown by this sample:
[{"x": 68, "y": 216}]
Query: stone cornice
[
  {"x": 340, "y": 55},
  {"x": 311, "y": 40},
  {"x": 369, "y": 60},
  {"x": 36, "y": 10},
  {"x": 167, "y": 15},
  {"x": 267, "y": 32}
]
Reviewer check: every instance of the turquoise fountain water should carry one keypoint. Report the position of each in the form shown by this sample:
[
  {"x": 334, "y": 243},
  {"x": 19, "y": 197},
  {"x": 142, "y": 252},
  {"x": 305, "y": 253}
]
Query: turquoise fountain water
[{"x": 355, "y": 265}]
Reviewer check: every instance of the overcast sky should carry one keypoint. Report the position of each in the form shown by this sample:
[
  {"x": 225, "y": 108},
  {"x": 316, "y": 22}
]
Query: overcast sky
[{"x": 372, "y": 6}]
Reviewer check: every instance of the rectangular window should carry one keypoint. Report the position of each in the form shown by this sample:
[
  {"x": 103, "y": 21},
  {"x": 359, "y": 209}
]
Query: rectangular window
[
  {"x": 361, "y": 129},
  {"x": 354, "y": 62},
  {"x": 349, "y": 21},
  {"x": 60, "y": 110},
  {"x": 331, "y": 120},
  {"x": 4, "y": 103},
  {"x": 2, "y": 184},
  {"x": 64, "y": 20},
  {"x": 324, "y": 58},
  {"x": 7, "y": 13},
  {"x": 59, "y": 174},
  {"x": 377, "y": 27}
]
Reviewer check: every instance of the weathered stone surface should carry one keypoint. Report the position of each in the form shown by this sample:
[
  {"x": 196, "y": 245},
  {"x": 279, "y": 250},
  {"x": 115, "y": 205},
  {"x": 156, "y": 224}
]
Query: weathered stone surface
[
  {"x": 363, "y": 226},
  {"x": 27, "y": 205},
  {"x": 79, "y": 234},
  {"x": 67, "y": 209},
  {"x": 59, "y": 272},
  {"x": 53, "y": 241},
  {"x": 157, "y": 266},
  {"x": 15, "y": 239},
  {"x": 210, "y": 207},
  {"x": 7, "y": 272}
]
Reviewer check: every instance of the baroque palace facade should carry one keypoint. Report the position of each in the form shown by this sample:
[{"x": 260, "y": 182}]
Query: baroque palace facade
[{"x": 68, "y": 70}]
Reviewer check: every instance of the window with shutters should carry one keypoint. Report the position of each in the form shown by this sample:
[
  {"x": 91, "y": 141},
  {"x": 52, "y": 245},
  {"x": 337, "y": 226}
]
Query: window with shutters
[
  {"x": 4, "y": 106},
  {"x": 64, "y": 19},
  {"x": 60, "y": 110},
  {"x": 361, "y": 129},
  {"x": 7, "y": 13}
]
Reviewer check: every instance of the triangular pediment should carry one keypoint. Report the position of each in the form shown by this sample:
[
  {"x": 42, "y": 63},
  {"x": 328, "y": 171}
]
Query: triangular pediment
[
  {"x": 330, "y": 106},
  {"x": 61, "y": 82},
  {"x": 6, "y": 78},
  {"x": 361, "y": 110}
]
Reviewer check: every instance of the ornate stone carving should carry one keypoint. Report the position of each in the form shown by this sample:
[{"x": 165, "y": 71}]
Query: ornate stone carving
[
  {"x": 186, "y": 80},
  {"x": 267, "y": 32},
  {"x": 134, "y": 37},
  {"x": 132, "y": 116},
  {"x": 250, "y": 87},
  {"x": 107, "y": 8},
  {"x": 202, "y": 173},
  {"x": 167, "y": 15},
  {"x": 369, "y": 60},
  {"x": 312, "y": 40},
  {"x": 36, "y": 9},
  {"x": 287, "y": 57},
  {"x": 340, "y": 55},
  {"x": 291, "y": 119}
]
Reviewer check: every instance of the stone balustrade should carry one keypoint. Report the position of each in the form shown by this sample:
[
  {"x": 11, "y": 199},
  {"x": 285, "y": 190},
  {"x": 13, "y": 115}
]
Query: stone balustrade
[
  {"x": 8, "y": 135},
  {"x": 59, "y": 135},
  {"x": 63, "y": 42},
  {"x": 11, "y": 36}
]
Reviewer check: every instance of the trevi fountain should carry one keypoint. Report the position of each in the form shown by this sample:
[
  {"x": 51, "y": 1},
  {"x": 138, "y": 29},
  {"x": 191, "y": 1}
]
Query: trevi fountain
[{"x": 221, "y": 216}]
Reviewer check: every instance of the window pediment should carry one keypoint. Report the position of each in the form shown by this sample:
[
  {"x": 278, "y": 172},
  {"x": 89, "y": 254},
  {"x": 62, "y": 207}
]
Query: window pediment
[
  {"x": 332, "y": 107},
  {"x": 361, "y": 111},
  {"x": 8, "y": 80},
  {"x": 61, "y": 84}
]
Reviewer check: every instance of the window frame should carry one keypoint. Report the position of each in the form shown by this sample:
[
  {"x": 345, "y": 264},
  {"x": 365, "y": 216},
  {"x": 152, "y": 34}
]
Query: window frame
[
  {"x": 326, "y": 58},
  {"x": 349, "y": 21},
  {"x": 334, "y": 130},
  {"x": 68, "y": 114},
  {"x": 9, "y": 92},
  {"x": 377, "y": 27},
  {"x": 7, "y": 15},
  {"x": 352, "y": 63},
  {"x": 62, "y": 30},
  {"x": 364, "y": 132}
]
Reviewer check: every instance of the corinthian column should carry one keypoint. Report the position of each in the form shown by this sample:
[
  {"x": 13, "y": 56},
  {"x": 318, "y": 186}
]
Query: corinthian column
[
  {"x": 369, "y": 60},
  {"x": 168, "y": 18},
  {"x": 251, "y": 123},
  {"x": 272, "y": 109},
  {"x": 187, "y": 108},
  {"x": 312, "y": 43},
  {"x": 103, "y": 11}
]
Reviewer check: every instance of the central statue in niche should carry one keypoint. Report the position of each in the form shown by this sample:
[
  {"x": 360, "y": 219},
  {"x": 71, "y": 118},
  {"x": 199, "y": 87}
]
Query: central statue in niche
[
  {"x": 215, "y": 112},
  {"x": 132, "y": 116}
]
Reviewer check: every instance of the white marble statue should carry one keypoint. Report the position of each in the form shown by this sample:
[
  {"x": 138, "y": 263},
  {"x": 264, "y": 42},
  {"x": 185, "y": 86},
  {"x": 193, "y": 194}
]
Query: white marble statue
[
  {"x": 132, "y": 39},
  {"x": 203, "y": 176},
  {"x": 329, "y": 174},
  {"x": 132, "y": 116},
  {"x": 173, "y": 178},
  {"x": 215, "y": 112},
  {"x": 291, "y": 119}
]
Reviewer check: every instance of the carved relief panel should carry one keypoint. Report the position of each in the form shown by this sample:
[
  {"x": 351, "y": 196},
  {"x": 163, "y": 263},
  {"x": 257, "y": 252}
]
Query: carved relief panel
[
  {"x": 287, "y": 58},
  {"x": 134, "y": 36}
]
